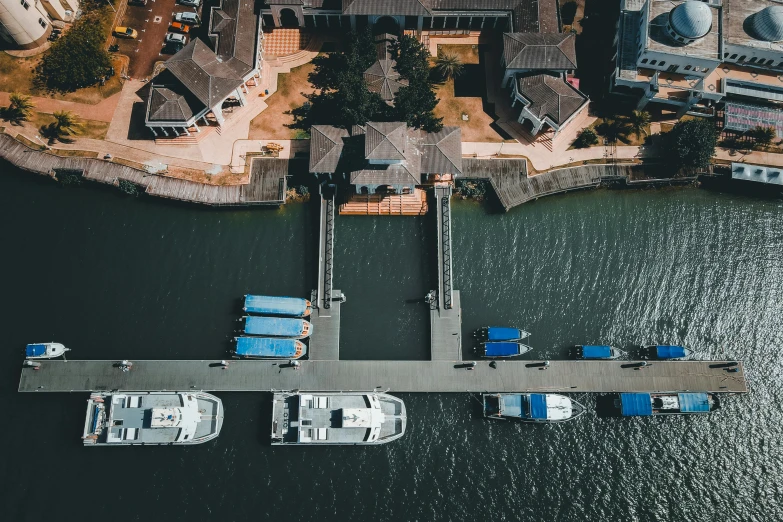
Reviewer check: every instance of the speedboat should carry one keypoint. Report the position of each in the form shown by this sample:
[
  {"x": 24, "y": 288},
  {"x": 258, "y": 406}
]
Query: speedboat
[
  {"x": 503, "y": 349},
  {"x": 500, "y": 333},
  {"x": 269, "y": 348},
  {"x": 45, "y": 350},
  {"x": 666, "y": 352},
  {"x": 337, "y": 418},
  {"x": 647, "y": 404},
  {"x": 596, "y": 352},
  {"x": 531, "y": 407}
]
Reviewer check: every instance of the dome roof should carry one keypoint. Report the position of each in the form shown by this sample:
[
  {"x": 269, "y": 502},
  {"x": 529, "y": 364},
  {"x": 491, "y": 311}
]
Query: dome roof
[
  {"x": 691, "y": 19},
  {"x": 768, "y": 23}
]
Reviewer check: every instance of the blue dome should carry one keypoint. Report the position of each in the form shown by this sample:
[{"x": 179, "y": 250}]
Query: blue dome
[
  {"x": 691, "y": 20},
  {"x": 768, "y": 23}
]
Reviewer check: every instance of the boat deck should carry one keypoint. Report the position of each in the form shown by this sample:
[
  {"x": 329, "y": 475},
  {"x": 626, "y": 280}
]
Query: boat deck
[{"x": 398, "y": 376}]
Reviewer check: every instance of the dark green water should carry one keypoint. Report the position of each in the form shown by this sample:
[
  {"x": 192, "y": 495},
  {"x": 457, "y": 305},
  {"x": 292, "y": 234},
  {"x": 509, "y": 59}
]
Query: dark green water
[{"x": 114, "y": 278}]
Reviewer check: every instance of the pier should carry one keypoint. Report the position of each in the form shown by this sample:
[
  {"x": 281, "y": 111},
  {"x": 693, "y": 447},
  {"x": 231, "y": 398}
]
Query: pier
[
  {"x": 445, "y": 309},
  {"x": 398, "y": 376},
  {"x": 325, "y": 341}
]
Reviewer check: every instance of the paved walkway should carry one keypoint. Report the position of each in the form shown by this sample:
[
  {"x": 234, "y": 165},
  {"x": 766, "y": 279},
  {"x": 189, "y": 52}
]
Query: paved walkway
[{"x": 102, "y": 111}]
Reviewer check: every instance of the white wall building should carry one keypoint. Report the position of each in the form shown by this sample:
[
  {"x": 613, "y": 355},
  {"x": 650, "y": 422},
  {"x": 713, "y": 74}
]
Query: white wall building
[{"x": 24, "y": 23}]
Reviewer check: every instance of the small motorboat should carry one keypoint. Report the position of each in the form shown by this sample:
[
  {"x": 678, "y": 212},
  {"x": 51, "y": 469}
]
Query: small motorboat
[
  {"x": 269, "y": 348},
  {"x": 45, "y": 350},
  {"x": 596, "y": 352},
  {"x": 531, "y": 407},
  {"x": 647, "y": 404},
  {"x": 665, "y": 352},
  {"x": 277, "y": 326},
  {"x": 503, "y": 349},
  {"x": 500, "y": 333}
]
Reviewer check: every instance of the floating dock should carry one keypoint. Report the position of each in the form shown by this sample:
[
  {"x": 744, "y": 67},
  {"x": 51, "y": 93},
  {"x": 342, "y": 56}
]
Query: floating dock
[
  {"x": 398, "y": 376},
  {"x": 445, "y": 310}
]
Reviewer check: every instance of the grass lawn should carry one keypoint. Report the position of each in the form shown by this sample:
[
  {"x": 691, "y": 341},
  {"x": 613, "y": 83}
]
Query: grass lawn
[
  {"x": 451, "y": 108},
  {"x": 273, "y": 122},
  {"x": 468, "y": 54},
  {"x": 90, "y": 128},
  {"x": 16, "y": 74}
]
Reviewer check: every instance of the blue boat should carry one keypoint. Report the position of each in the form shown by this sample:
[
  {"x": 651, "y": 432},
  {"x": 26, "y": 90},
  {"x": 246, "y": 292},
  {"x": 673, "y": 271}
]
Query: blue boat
[
  {"x": 500, "y": 333},
  {"x": 531, "y": 407},
  {"x": 277, "y": 326},
  {"x": 667, "y": 352},
  {"x": 269, "y": 348},
  {"x": 648, "y": 404},
  {"x": 597, "y": 352},
  {"x": 271, "y": 305},
  {"x": 504, "y": 349},
  {"x": 44, "y": 350}
]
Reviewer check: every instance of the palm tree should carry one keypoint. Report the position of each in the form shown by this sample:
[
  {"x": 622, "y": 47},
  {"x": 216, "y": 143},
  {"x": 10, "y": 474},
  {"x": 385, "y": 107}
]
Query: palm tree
[
  {"x": 65, "y": 124},
  {"x": 763, "y": 135},
  {"x": 448, "y": 65},
  {"x": 638, "y": 122},
  {"x": 612, "y": 129},
  {"x": 20, "y": 107}
]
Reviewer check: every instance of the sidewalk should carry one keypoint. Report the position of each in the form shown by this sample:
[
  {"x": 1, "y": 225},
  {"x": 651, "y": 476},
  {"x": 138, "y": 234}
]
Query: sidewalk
[{"x": 541, "y": 158}]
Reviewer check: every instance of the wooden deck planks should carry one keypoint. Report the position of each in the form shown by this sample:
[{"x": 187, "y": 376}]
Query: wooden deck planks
[{"x": 398, "y": 376}]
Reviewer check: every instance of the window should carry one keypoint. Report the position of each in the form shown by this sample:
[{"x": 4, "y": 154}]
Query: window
[
  {"x": 752, "y": 60},
  {"x": 25, "y": 4},
  {"x": 41, "y": 21},
  {"x": 733, "y": 57},
  {"x": 742, "y": 58},
  {"x": 687, "y": 67},
  {"x": 725, "y": 55},
  {"x": 653, "y": 62},
  {"x": 661, "y": 64},
  {"x": 644, "y": 61}
]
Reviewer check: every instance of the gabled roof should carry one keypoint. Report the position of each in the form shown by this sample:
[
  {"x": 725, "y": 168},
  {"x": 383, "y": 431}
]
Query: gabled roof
[
  {"x": 165, "y": 104},
  {"x": 553, "y": 52},
  {"x": 385, "y": 141},
  {"x": 326, "y": 148},
  {"x": 442, "y": 152},
  {"x": 200, "y": 71},
  {"x": 551, "y": 97},
  {"x": 235, "y": 25},
  {"x": 396, "y": 174},
  {"x": 386, "y": 7}
]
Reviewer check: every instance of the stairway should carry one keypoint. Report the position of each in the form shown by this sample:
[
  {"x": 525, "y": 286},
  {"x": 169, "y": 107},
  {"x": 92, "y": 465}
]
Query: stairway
[{"x": 414, "y": 204}]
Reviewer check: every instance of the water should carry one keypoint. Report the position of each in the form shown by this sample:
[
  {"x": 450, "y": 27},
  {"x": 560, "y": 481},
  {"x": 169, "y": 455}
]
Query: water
[{"x": 115, "y": 277}]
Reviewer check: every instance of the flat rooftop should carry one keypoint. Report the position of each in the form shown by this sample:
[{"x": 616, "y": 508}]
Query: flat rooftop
[
  {"x": 737, "y": 23},
  {"x": 659, "y": 40}
]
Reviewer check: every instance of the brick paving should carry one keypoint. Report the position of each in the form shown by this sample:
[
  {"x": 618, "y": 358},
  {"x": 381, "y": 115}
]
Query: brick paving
[{"x": 282, "y": 42}]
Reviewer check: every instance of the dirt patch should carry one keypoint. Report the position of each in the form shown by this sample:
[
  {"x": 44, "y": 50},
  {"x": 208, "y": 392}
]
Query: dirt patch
[
  {"x": 478, "y": 127},
  {"x": 468, "y": 54},
  {"x": 273, "y": 122},
  {"x": 199, "y": 176}
]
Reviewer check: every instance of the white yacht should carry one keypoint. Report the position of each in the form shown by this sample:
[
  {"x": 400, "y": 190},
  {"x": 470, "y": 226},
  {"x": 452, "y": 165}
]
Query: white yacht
[
  {"x": 149, "y": 418},
  {"x": 531, "y": 407},
  {"x": 337, "y": 418},
  {"x": 44, "y": 350}
]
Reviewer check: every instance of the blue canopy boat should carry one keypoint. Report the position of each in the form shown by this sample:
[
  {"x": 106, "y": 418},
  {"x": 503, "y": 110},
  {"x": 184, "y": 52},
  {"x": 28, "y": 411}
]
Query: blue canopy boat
[
  {"x": 504, "y": 349},
  {"x": 278, "y": 326},
  {"x": 595, "y": 352},
  {"x": 531, "y": 407},
  {"x": 269, "y": 348},
  {"x": 271, "y": 305},
  {"x": 648, "y": 404},
  {"x": 667, "y": 352},
  {"x": 44, "y": 350},
  {"x": 500, "y": 333}
]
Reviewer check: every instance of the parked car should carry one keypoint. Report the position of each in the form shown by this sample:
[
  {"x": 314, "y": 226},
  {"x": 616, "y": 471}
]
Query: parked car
[
  {"x": 187, "y": 18},
  {"x": 192, "y": 3},
  {"x": 173, "y": 39},
  {"x": 125, "y": 32},
  {"x": 180, "y": 27},
  {"x": 138, "y": 2}
]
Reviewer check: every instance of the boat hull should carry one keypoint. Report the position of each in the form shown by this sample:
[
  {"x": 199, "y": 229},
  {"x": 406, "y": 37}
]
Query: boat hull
[
  {"x": 496, "y": 408},
  {"x": 45, "y": 350},
  {"x": 596, "y": 353}
]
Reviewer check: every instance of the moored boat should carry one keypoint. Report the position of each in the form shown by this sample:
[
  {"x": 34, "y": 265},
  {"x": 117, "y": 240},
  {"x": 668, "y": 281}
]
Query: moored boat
[
  {"x": 664, "y": 352},
  {"x": 273, "y": 305},
  {"x": 503, "y": 349},
  {"x": 596, "y": 352},
  {"x": 647, "y": 404},
  {"x": 531, "y": 407},
  {"x": 269, "y": 348},
  {"x": 152, "y": 418},
  {"x": 337, "y": 418},
  {"x": 278, "y": 326},
  {"x": 45, "y": 350},
  {"x": 500, "y": 333}
]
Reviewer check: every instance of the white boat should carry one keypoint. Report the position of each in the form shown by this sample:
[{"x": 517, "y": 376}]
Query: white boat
[
  {"x": 45, "y": 350},
  {"x": 531, "y": 407},
  {"x": 152, "y": 418}
]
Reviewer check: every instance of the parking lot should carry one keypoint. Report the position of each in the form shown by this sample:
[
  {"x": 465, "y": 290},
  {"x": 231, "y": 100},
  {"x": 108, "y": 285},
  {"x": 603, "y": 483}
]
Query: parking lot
[{"x": 152, "y": 22}]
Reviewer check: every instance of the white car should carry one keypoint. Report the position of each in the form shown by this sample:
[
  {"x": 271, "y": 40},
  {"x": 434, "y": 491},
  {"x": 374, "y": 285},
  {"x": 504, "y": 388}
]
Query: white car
[
  {"x": 187, "y": 18},
  {"x": 193, "y": 3},
  {"x": 176, "y": 39}
]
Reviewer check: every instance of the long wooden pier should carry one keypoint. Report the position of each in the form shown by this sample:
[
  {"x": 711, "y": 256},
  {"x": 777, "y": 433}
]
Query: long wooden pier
[
  {"x": 325, "y": 341},
  {"x": 398, "y": 376},
  {"x": 445, "y": 309}
]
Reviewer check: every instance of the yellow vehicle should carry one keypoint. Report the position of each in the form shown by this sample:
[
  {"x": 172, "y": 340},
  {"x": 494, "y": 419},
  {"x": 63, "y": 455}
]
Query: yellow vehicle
[{"x": 125, "y": 32}]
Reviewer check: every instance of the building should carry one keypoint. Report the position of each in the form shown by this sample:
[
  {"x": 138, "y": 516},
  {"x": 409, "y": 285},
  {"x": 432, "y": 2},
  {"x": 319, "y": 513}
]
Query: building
[
  {"x": 382, "y": 76},
  {"x": 387, "y": 157},
  {"x": 200, "y": 81},
  {"x": 26, "y": 24},
  {"x": 692, "y": 56}
]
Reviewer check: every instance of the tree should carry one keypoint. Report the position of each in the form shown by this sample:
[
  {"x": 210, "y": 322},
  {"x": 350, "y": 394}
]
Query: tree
[
  {"x": 413, "y": 59},
  {"x": 763, "y": 135},
  {"x": 448, "y": 65},
  {"x": 416, "y": 101},
  {"x": 638, "y": 122},
  {"x": 65, "y": 124},
  {"x": 586, "y": 138},
  {"x": 77, "y": 59},
  {"x": 19, "y": 109},
  {"x": 612, "y": 129},
  {"x": 690, "y": 144}
]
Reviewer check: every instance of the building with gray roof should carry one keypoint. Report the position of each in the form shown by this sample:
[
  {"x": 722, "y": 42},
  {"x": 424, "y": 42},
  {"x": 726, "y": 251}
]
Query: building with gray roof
[
  {"x": 199, "y": 79},
  {"x": 547, "y": 100},
  {"x": 525, "y": 52},
  {"x": 382, "y": 76}
]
